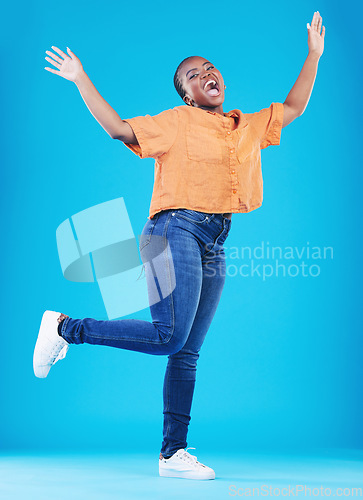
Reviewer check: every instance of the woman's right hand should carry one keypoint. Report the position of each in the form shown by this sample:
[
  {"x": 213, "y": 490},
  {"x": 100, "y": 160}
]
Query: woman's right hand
[{"x": 70, "y": 67}]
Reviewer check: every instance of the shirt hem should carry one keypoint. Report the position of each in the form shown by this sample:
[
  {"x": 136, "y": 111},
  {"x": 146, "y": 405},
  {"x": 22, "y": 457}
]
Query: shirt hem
[{"x": 242, "y": 211}]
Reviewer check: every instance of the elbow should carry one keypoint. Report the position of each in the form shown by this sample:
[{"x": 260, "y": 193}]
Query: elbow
[
  {"x": 118, "y": 137},
  {"x": 118, "y": 132},
  {"x": 115, "y": 136}
]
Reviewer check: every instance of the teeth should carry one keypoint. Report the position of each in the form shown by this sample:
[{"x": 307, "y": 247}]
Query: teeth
[{"x": 209, "y": 81}]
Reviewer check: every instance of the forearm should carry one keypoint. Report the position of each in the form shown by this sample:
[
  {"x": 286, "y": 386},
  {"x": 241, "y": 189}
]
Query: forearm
[
  {"x": 100, "y": 109},
  {"x": 299, "y": 95}
]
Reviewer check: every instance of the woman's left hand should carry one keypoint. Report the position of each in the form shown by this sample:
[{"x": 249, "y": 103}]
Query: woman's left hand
[{"x": 315, "y": 39}]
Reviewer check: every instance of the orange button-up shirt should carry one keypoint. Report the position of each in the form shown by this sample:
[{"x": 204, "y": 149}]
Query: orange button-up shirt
[{"x": 206, "y": 161}]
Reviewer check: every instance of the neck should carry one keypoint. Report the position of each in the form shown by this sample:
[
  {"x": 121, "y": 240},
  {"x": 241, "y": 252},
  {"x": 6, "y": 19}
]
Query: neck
[{"x": 213, "y": 109}]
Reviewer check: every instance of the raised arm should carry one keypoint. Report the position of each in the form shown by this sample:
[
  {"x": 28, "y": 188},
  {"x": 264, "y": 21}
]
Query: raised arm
[
  {"x": 70, "y": 68},
  {"x": 298, "y": 97}
]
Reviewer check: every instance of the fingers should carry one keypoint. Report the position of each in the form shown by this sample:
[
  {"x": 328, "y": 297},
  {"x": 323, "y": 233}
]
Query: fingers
[
  {"x": 312, "y": 21},
  {"x": 59, "y": 62},
  {"x": 60, "y": 52},
  {"x": 57, "y": 65},
  {"x": 316, "y": 22},
  {"x": 52, "y": 71},
  {"x": 54, "y": 56}
]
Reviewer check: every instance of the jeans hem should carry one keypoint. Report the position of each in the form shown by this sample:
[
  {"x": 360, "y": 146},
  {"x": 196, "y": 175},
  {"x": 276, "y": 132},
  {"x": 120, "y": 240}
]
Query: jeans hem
[{"x": 64, "y": 326}]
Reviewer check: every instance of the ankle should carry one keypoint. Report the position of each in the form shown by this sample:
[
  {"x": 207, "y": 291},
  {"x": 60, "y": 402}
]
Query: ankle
[{"x": 60, "y": 320}]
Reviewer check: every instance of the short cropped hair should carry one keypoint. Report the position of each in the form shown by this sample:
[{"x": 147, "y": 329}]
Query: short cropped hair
[{"x": 177, "y": 80}]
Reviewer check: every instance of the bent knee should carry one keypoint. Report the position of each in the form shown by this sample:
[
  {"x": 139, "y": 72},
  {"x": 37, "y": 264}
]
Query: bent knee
[{"x": 173, "y": 345}]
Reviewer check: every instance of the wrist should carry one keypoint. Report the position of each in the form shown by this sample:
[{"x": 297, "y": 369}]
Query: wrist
[
  {"x": 80, "y": 77},
  {"x": 314, "y": 55}
]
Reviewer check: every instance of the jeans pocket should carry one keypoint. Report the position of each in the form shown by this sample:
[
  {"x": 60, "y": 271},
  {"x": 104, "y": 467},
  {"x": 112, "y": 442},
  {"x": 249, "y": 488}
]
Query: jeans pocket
[
  {"x": 146, "y": 234},
  {"x": 192, "y": 215}
]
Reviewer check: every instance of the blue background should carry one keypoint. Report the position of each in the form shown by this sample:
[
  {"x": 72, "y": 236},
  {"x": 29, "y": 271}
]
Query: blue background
[{"x": 281, "y": 365}]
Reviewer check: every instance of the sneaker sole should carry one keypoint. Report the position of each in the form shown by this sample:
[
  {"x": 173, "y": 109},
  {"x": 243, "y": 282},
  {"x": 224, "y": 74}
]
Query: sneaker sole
[{"x": 186, "y": 474}]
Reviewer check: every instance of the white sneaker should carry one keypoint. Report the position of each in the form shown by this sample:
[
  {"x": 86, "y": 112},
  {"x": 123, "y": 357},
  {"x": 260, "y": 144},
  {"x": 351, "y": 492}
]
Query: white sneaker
[
  {"x": 50, "y": 347},
  {"x": 183, "y": 464}
]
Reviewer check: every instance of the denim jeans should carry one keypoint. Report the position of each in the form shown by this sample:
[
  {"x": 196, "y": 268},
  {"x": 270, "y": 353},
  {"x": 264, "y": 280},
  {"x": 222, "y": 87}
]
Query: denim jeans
[{"x": 193, "y": 272}]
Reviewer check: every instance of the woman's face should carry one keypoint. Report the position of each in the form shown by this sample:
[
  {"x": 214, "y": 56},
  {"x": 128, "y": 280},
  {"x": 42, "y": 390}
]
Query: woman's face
[{"x": 195, "y": 75}]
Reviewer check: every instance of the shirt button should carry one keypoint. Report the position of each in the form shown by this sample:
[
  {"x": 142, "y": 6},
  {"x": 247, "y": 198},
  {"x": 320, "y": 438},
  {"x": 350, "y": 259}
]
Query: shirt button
[
  {"x": 234, "y": 191},
  {"x": 229, "y": 133},
  {"x": 232, "y": 150},
  {"x": 233, "y": 171}
]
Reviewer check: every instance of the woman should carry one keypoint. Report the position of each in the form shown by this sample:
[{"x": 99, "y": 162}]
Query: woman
[{"x": 207, "y": 166}]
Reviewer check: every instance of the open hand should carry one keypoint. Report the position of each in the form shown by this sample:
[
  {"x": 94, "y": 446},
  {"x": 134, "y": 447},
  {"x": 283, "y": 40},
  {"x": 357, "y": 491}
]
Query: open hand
[
  {"x": 70, "y": 67},
  {"x": 315, "y": 39}
]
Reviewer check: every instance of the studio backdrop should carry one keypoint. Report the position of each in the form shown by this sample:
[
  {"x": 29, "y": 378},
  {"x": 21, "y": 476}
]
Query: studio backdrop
[{"x": 281, "y": 366}]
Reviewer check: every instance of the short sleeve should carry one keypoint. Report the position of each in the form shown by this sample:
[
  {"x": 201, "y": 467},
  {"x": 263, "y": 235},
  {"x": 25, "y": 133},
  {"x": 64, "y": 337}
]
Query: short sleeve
[
  {"x": 155, "y": 134},
  {"x": 268, "y": 124}
]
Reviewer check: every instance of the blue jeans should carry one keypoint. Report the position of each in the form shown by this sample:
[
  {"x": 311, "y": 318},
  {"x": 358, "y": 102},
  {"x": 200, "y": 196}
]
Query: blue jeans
[{"x": 192, "y": 271}]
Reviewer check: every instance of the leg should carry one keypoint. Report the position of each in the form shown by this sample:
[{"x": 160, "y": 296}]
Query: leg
[
  {"x": 173, "y": 315},
  {"x": 181, "y": 370}
]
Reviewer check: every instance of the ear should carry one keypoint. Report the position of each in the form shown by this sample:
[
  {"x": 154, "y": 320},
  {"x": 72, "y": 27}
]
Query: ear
[{"x": 188, "y": 100}]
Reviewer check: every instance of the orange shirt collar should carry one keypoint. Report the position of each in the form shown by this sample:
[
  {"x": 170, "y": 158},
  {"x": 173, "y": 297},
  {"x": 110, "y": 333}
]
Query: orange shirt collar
[
  {"x": 234, "y": 113},
  {"x": 230, "y": 113}
]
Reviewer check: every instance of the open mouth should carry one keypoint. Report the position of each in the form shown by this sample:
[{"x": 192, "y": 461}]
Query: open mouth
[{"x": 211, "y": 88}]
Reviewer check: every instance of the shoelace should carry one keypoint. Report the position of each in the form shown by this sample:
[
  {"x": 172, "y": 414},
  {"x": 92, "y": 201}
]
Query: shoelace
[
  {"x": 184, "y": 455},
  {"x": 62, "y": 353},
  {"x": 58, "y": 351}
]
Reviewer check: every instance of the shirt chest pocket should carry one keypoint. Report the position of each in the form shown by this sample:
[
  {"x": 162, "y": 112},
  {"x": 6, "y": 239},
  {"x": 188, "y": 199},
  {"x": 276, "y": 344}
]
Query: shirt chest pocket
[
  {"x": 246, "y": 145},
  {"x": 203, "y": 144}
]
